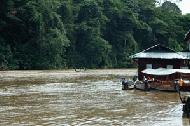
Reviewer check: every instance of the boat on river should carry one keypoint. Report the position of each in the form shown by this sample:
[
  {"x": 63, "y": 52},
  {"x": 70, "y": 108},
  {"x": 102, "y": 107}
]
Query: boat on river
[
  {"x": 161, "y": 79},
  {"x": 168, "y": 79},
  {"x": 127, "y": 84},
  {"x": 142, "y": 85}
]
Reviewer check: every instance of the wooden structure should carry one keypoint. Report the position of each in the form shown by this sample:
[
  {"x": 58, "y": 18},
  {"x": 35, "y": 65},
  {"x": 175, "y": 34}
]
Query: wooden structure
[
  {"x": 159, "y": 56},
  {"x": 168, "y": 79}
]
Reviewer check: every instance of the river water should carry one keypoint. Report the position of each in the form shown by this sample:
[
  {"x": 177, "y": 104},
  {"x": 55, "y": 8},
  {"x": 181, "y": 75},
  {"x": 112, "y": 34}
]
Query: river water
[{"x": 92, "y": 97}]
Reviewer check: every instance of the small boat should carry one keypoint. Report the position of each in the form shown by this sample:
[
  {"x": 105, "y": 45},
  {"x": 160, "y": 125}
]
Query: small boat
[
  {"x": 142, "y": 85},
  {"x": 127, "y": 84},
  {"x": 131, "y": 84}
]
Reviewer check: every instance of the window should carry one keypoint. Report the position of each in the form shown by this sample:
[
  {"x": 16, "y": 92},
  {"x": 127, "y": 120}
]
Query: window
[
  {"x": 148, "y": 66},
  {"x": 156, "y": 66},
  {"x": 169, "y": 66},
  {"x": 184, "y": 67}
]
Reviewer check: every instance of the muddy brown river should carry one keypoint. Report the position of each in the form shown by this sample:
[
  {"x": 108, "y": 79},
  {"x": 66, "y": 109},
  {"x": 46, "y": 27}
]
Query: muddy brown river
[{"x": 84, "y": 98}]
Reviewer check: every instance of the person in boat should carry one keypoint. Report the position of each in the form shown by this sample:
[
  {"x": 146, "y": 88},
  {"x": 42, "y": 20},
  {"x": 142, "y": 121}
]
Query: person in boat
[
  {"x": 144, "y": 79},
  {"x": 125, "y": 83},
  {"x": 181, "y": 82},
  {"x": 135, "y": 78},
  {"x": 150, "y": 79},
  {"x": 145, "y": 83},
  {"x": 176, "y": 85}
]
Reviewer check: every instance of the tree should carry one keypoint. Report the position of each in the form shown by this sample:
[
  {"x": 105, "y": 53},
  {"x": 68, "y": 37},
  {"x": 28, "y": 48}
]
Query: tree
[{"x": 90, "y": 45}]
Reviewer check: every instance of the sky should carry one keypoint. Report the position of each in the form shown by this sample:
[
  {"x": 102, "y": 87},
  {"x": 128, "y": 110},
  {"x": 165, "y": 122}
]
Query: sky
[{"x": 184, "y": 5}]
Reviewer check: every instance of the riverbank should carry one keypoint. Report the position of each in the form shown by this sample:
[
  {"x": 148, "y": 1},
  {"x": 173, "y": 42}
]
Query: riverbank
[{"x": 47, "y": 76}]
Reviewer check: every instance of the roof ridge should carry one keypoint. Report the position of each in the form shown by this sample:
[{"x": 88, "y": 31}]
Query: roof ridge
[
  {"x": 156, "y": 46},
  {"x": 150, "y": 48}
]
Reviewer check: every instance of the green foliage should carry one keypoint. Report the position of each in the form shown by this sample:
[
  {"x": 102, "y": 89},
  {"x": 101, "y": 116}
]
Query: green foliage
[
  {"x": 170, "y": 7},
  {"x": 54, "y": 34}
]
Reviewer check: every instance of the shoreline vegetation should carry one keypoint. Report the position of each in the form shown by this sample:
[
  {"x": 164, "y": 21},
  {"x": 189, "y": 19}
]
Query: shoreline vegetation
[{"x": 56, "y": 76}]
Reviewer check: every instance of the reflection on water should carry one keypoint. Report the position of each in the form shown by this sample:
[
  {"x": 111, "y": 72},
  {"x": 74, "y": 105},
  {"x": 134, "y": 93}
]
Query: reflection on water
[{"x": 87, "y": 102}]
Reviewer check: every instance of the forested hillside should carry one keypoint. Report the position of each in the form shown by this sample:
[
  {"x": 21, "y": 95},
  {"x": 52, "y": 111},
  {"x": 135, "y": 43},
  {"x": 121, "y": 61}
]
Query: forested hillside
[{"x": 57, "y": 34}]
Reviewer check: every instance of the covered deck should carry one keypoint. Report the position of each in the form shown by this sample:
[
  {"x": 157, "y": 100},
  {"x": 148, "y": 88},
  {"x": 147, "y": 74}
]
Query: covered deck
[{"x": 168, "y": 79}]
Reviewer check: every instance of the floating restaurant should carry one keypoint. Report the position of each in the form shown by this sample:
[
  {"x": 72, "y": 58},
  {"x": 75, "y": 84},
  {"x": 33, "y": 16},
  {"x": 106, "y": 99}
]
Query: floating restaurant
[
  {"x": 159, "y": 56},
  {"x": 163, "y": 67}
]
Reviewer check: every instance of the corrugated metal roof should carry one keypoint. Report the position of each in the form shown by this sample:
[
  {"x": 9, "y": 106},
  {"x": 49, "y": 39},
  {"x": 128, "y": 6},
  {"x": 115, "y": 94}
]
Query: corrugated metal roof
[
  {"x": 161, "y": 52},
  {"x": 159, "y": 71},
  {"x": 159, "y": 55},
  {"x": 186, "y": 54}
]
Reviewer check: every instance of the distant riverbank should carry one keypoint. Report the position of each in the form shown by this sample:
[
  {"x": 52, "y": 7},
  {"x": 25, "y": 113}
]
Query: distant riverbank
[{"x": 46, "y": 76}]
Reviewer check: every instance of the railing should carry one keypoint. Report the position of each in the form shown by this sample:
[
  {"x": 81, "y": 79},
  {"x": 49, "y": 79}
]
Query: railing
[{"x": 162, "y": 85}]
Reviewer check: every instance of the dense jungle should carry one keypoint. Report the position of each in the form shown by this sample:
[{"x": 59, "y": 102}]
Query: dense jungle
[{"x": 63, "y": 34}]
